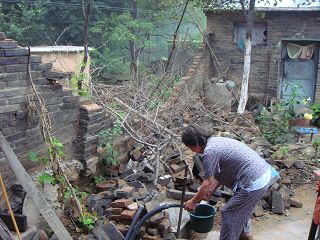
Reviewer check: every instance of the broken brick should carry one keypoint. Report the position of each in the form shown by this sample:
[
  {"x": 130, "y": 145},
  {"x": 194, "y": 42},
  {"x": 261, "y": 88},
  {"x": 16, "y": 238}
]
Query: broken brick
[
  {"x": 121, "y": 203},
  {"x": 295, "y": 203},
  {"x": 116, "y": 211},
  {"x": 133, "y": 206},
  {"x": 153, "y": 231},
  {"x": 117, "y": 218},
  {"x": 127, "y": 214},
  {"x": 164, "y": 225}
]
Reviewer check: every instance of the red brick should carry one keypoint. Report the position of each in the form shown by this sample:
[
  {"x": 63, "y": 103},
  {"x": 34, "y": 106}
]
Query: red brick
[
  {"x": 163, "y": 225},
  {"x": 116, "y": 211},
  {"x": 116, "y": 218},
  {"x": 127, "y": 214},
  {"x": 121, "y": 203}
]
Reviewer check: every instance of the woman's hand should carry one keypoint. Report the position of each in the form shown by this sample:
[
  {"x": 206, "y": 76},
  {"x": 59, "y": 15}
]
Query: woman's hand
[{"x": 191, "y": 205}]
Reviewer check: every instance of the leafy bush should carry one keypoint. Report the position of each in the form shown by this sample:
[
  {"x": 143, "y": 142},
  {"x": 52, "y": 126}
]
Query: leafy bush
[
  {"x": 315, "y": 110},
  {"x": 274, "y": 124},
  {"x": 107, "y": 137}
]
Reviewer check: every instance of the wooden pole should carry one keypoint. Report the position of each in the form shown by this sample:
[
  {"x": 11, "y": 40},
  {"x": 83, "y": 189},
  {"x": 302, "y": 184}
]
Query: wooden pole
[
  {"x": 30, "y": 187},
  {"x": 9, "y": 207}
]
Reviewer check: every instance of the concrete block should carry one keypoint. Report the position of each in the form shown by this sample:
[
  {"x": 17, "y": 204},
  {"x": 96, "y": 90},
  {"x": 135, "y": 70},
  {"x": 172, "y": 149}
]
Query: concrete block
[{"x": 278, "y": 202}]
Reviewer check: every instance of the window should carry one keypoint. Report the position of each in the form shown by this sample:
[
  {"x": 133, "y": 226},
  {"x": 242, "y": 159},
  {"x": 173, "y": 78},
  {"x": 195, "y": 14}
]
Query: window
[{"x": 259, "y": 33}]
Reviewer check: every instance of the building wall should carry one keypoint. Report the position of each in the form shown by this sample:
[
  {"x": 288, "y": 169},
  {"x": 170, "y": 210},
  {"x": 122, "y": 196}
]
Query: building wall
[
  {"x": 280, "y": 25},
  {"x": 19, "y": 121},
  {"x": 68, "y": 62}
]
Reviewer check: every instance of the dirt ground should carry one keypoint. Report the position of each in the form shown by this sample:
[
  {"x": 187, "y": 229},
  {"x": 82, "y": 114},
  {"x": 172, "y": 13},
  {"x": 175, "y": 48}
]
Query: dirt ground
[{"x": 294, "y": 226}]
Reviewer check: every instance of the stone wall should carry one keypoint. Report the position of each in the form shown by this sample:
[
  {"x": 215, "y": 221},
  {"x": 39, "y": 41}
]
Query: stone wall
[
  {"x": 19, "y": 121},
  {"x": 264, "y": 76}
]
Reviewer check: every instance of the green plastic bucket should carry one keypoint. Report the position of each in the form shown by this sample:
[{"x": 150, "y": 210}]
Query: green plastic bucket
[{"x": 201, "y": 220}]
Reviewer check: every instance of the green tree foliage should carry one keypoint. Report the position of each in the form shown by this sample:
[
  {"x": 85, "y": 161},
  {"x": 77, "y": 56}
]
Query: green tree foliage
[{"x": 24, "y": 21}]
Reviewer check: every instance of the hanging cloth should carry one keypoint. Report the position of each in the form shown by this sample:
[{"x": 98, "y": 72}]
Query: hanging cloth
[{"x": 296, "y": 51}]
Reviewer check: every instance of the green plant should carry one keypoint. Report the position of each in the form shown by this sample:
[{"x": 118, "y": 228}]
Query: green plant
[
  {"x": 316, "y": 145},
  {"x": 281, "y": 153},
  {"x": 88, "y": 220},
  {"x": 107, "y": 137},
  {"x": 274, "y": 124},
  {"x": 99, "y": 179},
  {"x": 315, "y": 107},
  {"x": 295, "y": 102}
]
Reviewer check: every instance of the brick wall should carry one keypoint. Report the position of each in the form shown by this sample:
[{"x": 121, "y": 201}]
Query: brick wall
[
  {"x": 20, "y": 124},
  {"x": 280, "y": 25}
]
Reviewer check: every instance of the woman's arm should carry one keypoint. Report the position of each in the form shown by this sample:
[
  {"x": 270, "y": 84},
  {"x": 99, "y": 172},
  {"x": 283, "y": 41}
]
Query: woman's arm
[{"x": 206, "y": 189}]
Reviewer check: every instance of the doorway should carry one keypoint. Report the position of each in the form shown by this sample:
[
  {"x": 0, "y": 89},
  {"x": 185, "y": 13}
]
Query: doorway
[{"x": 299, "y": 69}]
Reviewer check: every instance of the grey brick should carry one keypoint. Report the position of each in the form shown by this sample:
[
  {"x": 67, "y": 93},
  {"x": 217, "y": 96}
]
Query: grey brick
[
  {"x": 3, "y": 101},
  {"x": 52, "y": 101},
  {"x": 10, "y": 108},
  {"x": 43, "y": 66},
  {"x": 3, "y": 85},
  {"x": 35, "y": 59},
  {"x": 16, "y": 68},
  {"x": 9, "y": 93},
  {"x": 8, "y": 77},
  {"x": 34, "y": 75},
  {"x": 70, "y": 105},
  {"x": 55, "y": 75},
  {"x": 32, "y": 59},
  {"x": 41, "y": 81},
  {"x": 16, "y": 52},
  {"x": 1, "y": 53},
  {"x": 22, "y": 115},
  {"x": 20, "y": 83},
  {"x": 53, "y": 108},
  {"x": 8, "y": 44},
  {"x": 71, "y": 99},
  {"x": 15, "y": 100},
  {"x": 9, "y": 60},
  {"x": 2, "y": 69}
]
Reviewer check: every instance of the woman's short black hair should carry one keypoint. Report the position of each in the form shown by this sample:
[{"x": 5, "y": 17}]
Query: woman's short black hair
[{"x": 194, "y": 135}]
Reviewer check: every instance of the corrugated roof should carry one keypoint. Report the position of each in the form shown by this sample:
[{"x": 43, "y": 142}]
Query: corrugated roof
[{"x": 57, "y": 49}]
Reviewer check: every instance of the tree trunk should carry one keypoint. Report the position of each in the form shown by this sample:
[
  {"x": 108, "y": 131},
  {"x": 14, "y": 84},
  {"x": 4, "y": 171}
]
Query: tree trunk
[
  {"x": 29, "y": 186},
  {"x": 247, "y": 57},
  {"x": 86, "y": 15},
  {"x": 134, "y": 52}
]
